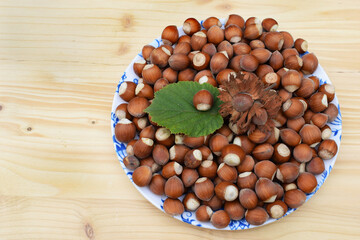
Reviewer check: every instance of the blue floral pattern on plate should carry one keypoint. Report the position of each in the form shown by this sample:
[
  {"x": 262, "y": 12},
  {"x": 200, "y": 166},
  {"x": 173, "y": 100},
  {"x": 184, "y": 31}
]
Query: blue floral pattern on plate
[{"x": 189, "y": 217}]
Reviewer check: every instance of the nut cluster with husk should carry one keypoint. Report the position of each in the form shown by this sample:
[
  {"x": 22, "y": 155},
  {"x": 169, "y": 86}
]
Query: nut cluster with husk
[{"x": 275, "y": 136}]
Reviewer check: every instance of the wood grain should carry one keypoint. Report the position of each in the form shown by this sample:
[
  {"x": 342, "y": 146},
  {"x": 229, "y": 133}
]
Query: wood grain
[{"x": 60, "y": 62}]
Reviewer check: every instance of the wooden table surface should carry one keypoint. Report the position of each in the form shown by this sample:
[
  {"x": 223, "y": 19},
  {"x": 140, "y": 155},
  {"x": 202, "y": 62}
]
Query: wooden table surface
[{"x": 60, "y": 62}]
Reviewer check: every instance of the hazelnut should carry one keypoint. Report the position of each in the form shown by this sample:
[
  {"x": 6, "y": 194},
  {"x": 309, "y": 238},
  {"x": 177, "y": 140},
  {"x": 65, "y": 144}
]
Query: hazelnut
[
  {"x": 171, "y": 169},
  {"x": 279, "y": 119},
  {"x": 187, "y": 74},
  {"x": 332, "y": 111},
  {"x": 235, "y": 63},
  {"x": 289, "y": 52},
  {"x": 284, "y": 94},
  {"x": 253, "y": 31},
  {"x": 143, "y": 147},
  {"x": 170, "y": 35},
  {"x": 127, "y": 91},
  {"x": 310, "y": 63},
  {"x": 252, "y": 20},
  {"x": 226, "y": 191},
  {"x": 173, "y": 206},
  {"x": 204, "y": 189},
  {"x": 189, "y": 176},
  {"x": 274, "y": 41},
  {"x": 319, "y": 119},
  {"x": 220, "y": 219},
  {"x": 282, "y": 153},
  {"x": 254, "y": 44},
  {"x": 208, "y": 168},
  {"x": 146, "y": 51},
  {"x": 211, "y": 21},
  {"x": 122, "y": 112},
  {"x": 209, "y": 80},
  {"x": 249, "y": 63},
  {"x": 191, "y": 202},
  {"x": 274, "y": 137},
  {"x": 276, "y": 60},
  {"x": 245, "y": 143},
  {"x": 209, "y": 48},
  {"x": 291, "y": 80},
  {"x": 295, "y": 124},
  {"x": 198, "y": 40},
  {"x": 170, "y": 75},
  {"x": 214, "y": 203},
  {"x": 306, "y": 89},
  {"x": 289, "y": 186},
  {"x": 263, "y": 70},
  {"x": 272, "y": 79},
  {"x": 257, "y": 136},
  {"x": 217, "y": 143},
  {"x": 149, "y": 161},
  {"x": 160, "y": 155},
  {"x": 246, "y": 180},
  {"x": 329, "y": 91},
  {"x": 182, "y": 48},
  {"x": 203, "y": 100},
  {"x": 193, "y": 142},
  {"x": 184, "y": 38},
  {"x": 160, "y": 83},
  {"x": 227, "y": 47},
  {"x": 159, "y": 56},
  {"x": 179, "y": 61},
  {"x": 256, "y": 216},
  {"x": 288, "y": 40},
  {"x": 276, "y": 209},
  {"x": 235, "y": 19},
  {"x": 265, "y": 169},
  {"x": 310, "y": 134},
  {"x": 125, "y": 130},
  {"x": 138, "y": 66},
  {"x": 142, "y": 176},
  {"x": 140, "y": 123},
  {"x": 151, "y": 73},
  {"x": 157, "y": 184},
  {"x": 315, "y": 166},
  {"x": 177, "y": 153},
  {"x": 131, "y": 162},
  {"x": 293, "y": 62},
  {"x": 215, "y": 34},
  {"x": 203, "y": 73},
  {"x": 293, "y": 108},
  {"x": 325, "y": 132},
  {"x": 307, "y": 182},
  {"x": 287, "y": 172},
  {"x": 262, "y": 55},
  {"x": 191, "y": 26},
  {"x": 226, "y": 173},
  {"x": 294, "y": 198},
  {"x": 316, "y": 81},
  {"x": 174, "y": 187},
  {"x": 247, "y": 165},
  {"x": 327, "y": 149},
  {"x": 163, "y": 136},
  {"x": 200, "y": 61},
  {"x": 301, "y": 45},
  {"x": 193, "y": 158},
  {"x": 248, "y": 198},
  {"x": 234, "y": 210},
  {"x": 219, "y": 62},
  {"x": 233, "y": 33},
  {"x": 269, "y": 24},
  {"x": 144, "y": 90},
  {"x": 266, "y": 190},
  {"x": 263, "y": 151},
  {"x": 232, "y": 154},
  {"x": 226, "y": 131},
  {"x": 203, "y": 213},
  {"x": 241, "y": 48}
]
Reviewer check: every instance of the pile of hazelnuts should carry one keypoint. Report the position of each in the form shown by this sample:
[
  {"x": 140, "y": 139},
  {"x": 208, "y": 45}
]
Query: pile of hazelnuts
[{"x": 226, "y": 175}]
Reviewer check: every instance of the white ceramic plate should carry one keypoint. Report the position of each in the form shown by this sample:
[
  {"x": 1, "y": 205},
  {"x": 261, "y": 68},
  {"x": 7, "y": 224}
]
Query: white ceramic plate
[{"x": 189, "y": 217}]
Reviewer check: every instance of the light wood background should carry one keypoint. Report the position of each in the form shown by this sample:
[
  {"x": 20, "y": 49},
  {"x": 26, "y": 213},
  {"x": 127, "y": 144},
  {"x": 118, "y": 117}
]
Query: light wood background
[{"x": 60, "y": 62}]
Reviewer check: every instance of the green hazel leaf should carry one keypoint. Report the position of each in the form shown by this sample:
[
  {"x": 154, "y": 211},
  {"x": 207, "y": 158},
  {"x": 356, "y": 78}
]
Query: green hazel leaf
[{"x": 173, "y": 108}]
